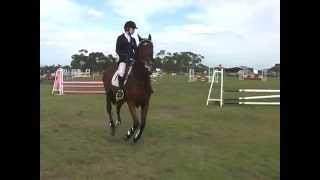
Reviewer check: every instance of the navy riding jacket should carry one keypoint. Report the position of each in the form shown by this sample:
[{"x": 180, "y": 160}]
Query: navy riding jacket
[{"x": 126, "y": 50}]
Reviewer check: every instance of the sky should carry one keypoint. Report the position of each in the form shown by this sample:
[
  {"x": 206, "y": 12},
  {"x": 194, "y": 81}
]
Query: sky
[{"x": 228, "y": 32}]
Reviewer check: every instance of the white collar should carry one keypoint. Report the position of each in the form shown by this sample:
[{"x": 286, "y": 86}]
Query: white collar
[{"x": 127, "y": 36}]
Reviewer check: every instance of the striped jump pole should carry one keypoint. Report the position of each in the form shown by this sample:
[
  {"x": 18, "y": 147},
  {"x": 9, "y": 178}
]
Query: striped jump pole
[
  {"x": 83, "y": 87},
  {"x": 76, "y": 87}
]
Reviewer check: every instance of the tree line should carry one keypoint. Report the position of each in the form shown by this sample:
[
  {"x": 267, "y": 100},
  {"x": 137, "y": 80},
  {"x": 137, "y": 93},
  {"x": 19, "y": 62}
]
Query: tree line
[{"x": 178, "y": 62}]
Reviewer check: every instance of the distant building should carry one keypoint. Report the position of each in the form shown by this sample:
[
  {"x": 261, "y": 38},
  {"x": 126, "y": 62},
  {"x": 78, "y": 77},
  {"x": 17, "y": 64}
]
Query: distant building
[
  {"x": 275, "y": 70},
  {"x": 245, "y": 71}
]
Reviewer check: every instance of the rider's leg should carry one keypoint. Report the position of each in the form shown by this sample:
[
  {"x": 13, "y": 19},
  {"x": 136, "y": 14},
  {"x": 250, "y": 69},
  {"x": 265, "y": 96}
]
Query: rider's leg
[
  {"x": 121, "y": 69},
  {"x": 121, "y": 72}
]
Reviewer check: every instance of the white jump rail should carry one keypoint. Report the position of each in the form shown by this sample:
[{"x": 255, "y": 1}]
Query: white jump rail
[
  {"x": 221, "y": 100},
  {"x": 260, "y": 97},
  {"x": 258, "y": 90},
  {"x": 260, "y": 103}
]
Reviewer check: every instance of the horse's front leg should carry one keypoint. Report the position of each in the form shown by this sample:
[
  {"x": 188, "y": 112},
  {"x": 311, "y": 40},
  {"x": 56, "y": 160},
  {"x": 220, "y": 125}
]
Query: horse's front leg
[
  {"x": 133, "y": 113},
  {"x": 144, "y": 111},
  {"x": 109, "y": 106},
  {"x": 119, "y": 105}
]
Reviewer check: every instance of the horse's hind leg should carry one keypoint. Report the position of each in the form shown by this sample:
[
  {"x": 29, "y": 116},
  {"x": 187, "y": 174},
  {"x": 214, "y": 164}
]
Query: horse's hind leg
[
  {"x": 111, "y": 123},
  {"x": 144, "y": 111},
  {"x": 133, "y": 112}
]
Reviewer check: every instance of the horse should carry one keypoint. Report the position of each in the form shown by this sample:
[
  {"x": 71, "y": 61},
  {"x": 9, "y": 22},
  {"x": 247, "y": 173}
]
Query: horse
[{"x": 137, "y": 90}]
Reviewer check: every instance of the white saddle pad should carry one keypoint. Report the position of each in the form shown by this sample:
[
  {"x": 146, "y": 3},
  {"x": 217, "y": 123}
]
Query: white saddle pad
[{"x": 115, "y": 81}]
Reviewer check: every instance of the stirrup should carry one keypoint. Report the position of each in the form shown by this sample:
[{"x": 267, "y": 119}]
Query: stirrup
[{"x": 119, "y": 95}]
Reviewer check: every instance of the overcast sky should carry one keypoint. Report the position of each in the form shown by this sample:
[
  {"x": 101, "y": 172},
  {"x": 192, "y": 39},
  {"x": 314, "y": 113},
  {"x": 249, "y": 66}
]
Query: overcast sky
[{"x": 227, "y": 32}]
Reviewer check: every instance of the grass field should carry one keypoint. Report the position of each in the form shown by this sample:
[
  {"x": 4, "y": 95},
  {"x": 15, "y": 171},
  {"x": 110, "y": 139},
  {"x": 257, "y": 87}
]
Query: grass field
[{"x": 183, "y": 138}]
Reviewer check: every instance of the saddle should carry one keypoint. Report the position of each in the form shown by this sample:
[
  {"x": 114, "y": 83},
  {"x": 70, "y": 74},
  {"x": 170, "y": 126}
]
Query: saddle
[{"x": 115, "y": 81}]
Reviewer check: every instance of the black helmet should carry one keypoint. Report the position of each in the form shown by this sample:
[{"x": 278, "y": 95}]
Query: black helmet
[{"x": 130, "y": 24}]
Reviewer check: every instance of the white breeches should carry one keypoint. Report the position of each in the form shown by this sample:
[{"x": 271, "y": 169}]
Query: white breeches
[{"x": 121, "y": 69}]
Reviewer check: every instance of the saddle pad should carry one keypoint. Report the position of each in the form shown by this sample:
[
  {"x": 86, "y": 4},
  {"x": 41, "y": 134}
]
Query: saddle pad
[{"x": 115, "y": 81}]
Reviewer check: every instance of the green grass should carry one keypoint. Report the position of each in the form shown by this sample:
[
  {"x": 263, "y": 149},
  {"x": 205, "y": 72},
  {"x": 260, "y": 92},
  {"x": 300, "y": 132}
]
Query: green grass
[{"x": 183, "y": 138}]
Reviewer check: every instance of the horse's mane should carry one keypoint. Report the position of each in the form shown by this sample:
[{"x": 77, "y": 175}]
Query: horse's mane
[{"x": 140, "y": 72}]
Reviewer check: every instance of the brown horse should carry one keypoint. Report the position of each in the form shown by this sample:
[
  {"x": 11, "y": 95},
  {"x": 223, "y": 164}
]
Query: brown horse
[{"x": 137, "y": 90}]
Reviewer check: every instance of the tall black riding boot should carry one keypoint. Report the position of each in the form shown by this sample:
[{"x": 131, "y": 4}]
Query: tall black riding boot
[{"x": 120, "y": 92}]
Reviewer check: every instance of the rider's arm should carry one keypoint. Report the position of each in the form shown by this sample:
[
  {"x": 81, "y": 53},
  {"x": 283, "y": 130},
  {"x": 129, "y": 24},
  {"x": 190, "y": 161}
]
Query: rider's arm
[{"x": 122, "y": 53}]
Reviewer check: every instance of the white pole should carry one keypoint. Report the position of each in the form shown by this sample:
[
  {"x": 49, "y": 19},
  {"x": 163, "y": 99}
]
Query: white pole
[
  {"x": 210, "y": 75},
  {"x": 260, "y": 97},
  {"x": 191, "y": 75},
  {"x": 221, "y": 87},
  {"x": 61, "y": 83},
  {"x": 258, "y": 90},
  {"x": 54, "y": 83},
  {"x": 260, "y": 103},
  {"x": 214, "y": 74},
  {"x": 212, "y": 81}
]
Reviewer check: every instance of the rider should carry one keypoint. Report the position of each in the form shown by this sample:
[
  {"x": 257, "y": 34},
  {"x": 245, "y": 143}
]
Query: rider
[{"x": 126, "y": 48}]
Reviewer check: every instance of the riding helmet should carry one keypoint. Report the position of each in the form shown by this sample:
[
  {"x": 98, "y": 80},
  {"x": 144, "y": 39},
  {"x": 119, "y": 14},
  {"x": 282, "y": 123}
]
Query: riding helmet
[{"x": 131, "y": 24}]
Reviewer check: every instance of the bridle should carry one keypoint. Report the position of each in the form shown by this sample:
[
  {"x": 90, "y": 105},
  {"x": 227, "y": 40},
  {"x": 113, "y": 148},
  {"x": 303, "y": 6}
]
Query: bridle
[{"x": 145, "y": 42}]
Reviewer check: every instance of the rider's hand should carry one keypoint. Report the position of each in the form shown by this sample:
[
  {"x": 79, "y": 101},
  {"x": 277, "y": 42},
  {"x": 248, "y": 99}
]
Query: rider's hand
[{"x": 131, "y": 60}]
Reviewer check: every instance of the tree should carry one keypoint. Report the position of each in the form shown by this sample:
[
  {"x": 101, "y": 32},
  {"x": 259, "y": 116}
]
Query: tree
[
  {"x": 77, "y": 60},
  {"x": 178, "y": 61},
  {"x": 45, "y": 69},
  {"x": 111, "y": 58},
  {"x": 95, "y": 61},
  {"x": 83, "y": 51},
  {"x": 161, "y": 54},
  {"x": 67, "y": 67}
]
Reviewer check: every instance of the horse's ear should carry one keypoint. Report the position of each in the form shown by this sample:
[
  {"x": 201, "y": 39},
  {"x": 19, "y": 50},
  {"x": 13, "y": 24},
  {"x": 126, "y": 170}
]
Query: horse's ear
[
  {"x": 149, "y": 37},
  {"x": 139, "y": 38}
]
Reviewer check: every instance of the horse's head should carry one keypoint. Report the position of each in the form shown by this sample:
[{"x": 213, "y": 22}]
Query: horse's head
[{"x": 145, "y": 52}]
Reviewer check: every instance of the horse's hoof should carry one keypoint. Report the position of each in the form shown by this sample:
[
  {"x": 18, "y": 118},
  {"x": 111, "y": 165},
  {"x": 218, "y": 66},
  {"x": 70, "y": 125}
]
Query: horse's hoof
[
  {"x": 109, "y": 125},
  {"x": 118, "y": 123},
  {"x": 126, "y": 138},
  {"x": 136, "y": 138},
  {"x": 129, "y": 134}
]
